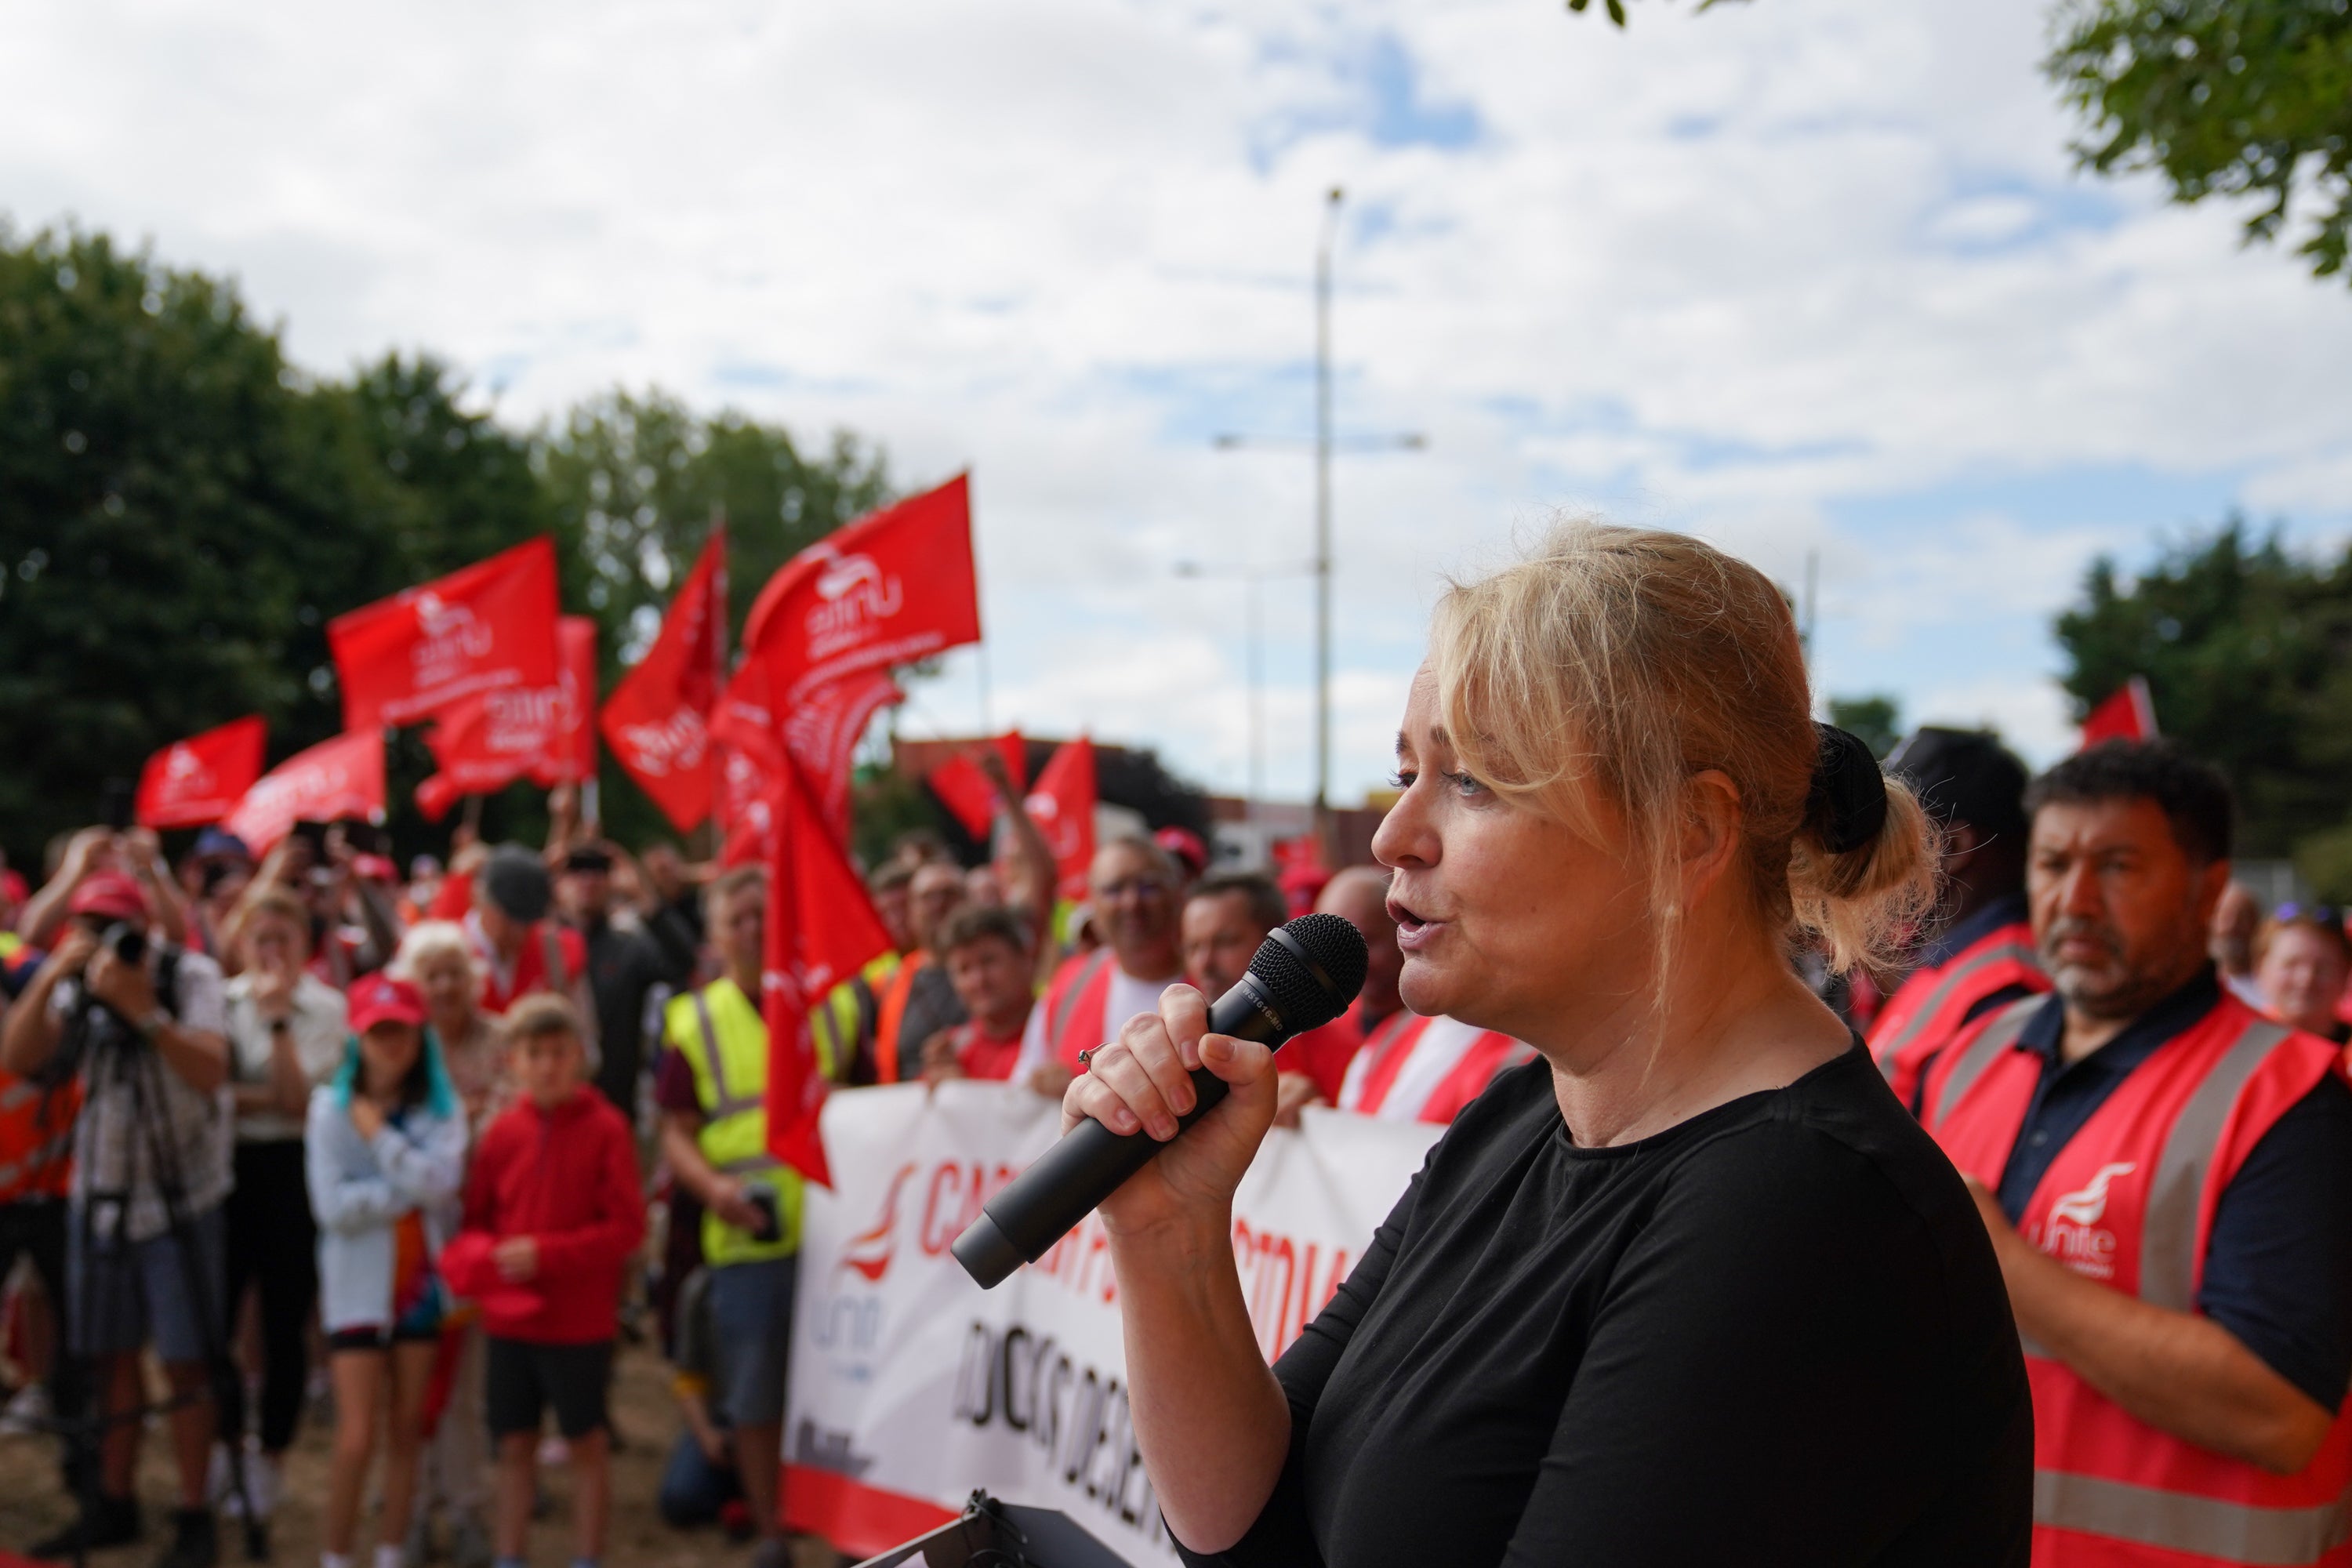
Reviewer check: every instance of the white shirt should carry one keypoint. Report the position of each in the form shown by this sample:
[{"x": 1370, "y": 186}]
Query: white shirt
[
  {"x": 319, "y": 1022},
  {"x": 1127, "y": 997}
]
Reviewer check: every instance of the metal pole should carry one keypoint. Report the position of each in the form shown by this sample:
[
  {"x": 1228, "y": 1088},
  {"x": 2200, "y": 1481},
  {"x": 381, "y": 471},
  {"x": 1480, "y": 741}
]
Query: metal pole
[
  {"x": 719, "y": 633},
  {"x": 1256, "y": 699},
  {"x": 1323, "y": 519}
]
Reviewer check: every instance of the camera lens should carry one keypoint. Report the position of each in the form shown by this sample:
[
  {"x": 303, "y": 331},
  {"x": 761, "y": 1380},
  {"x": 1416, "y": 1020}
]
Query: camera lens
[{"x": 126, "y": 942}]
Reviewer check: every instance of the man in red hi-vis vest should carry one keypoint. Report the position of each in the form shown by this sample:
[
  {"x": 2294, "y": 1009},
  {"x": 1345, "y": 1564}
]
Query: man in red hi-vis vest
[
  {"x": 2166, "y": 1177},
  {"x": 1982, "y": 955},
  {"x": 1413, "y": 1068},
  {"x": 1138, "y": 893}
]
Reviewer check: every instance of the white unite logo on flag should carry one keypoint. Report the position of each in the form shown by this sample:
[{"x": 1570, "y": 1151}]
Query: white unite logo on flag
[
  {"x": 2075, "y": 1235},
  {"x": 853, "y": 594},
  {"x": 453, "y": 637}
]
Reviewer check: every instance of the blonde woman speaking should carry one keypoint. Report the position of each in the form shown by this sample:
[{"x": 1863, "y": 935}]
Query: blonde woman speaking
[{"x": 1692, "y": 1288}]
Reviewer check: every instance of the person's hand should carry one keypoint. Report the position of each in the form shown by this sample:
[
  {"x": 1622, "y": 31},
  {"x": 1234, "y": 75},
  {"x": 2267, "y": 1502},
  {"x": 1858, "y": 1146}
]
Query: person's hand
[
  {"x": 464, "y": 860},
  {"x": 1141, "y": 1081},
  {"x": 1049, "y": 1079},
  {"x": 991, "y": 764},
  {"x": 143, "y": 848},
  {"x": 517, "y": 1258},
  {"x": 273, "y": 980},
  {"x": 125, "y": 987},
  {"x": 1293, "y": 1092},
  {"x": 367, "y": 1118},
  {"x": 73, "y": 952},
  {"x": 940, "y": 1058},
  {"x": 86, "y": 851},
  {"x": 665, "y": 872},
  {"x": 730, "y": 1202},
  {"x": 715, "y": 1448}
]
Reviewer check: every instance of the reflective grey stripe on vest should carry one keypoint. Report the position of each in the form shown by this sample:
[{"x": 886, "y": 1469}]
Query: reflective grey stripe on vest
[
  {"x": 1942, "y": 994},
  {"x": 728, "y": 1104},
  {"x": 2167, "y": 1245},
  {"x": 1999, "y": 1035},
  {"x": 2202, "y": 1527},
  {"x": 1078, "y": 984}
]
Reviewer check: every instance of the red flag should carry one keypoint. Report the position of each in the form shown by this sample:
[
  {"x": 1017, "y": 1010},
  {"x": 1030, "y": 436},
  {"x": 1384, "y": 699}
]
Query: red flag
[
  {"x": 821, "y": 734},
  {"x": 968, "y": 793},
  {"x": 2130, "y": 714},
  {"x": 190, "y": 783},
  {"x": 1063, "y": 806},
  {"x": 658, "y": 719},
  {"x": 821, "y": 930},
  {"x": 334, "y": 779},
  {"x": 749, "y": 809},
  {"x": 486, "y": 741},
  {"x": 488, "y": 626},
  {"x": 889, "y": 589},
  {"x": 575, "y": 740}
]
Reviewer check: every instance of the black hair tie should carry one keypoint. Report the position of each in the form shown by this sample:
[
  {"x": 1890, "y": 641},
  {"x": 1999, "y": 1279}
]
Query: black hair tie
[{"x": 1847, "y": 803}]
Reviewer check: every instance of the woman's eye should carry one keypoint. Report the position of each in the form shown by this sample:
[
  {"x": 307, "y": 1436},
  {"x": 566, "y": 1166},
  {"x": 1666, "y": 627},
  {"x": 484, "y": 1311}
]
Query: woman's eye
[
  {"x": 1402, "y": 780},
  {"x": 1463, "y": 784}
]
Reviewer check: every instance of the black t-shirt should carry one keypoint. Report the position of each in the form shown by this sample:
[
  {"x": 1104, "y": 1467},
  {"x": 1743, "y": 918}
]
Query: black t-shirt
[{"x": 1773, "y": 1334}]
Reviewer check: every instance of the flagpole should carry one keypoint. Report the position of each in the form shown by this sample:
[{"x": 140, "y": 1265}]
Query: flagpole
[{"x": 719, "y": 611}]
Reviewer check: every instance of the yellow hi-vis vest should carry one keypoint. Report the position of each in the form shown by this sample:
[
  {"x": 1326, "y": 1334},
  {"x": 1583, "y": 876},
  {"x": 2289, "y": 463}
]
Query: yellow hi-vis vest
[{"x": 719, "y": 1033}]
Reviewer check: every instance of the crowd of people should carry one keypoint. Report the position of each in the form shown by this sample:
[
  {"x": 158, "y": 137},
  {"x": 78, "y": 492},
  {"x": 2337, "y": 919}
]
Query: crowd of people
[
  {"x": 435, "y": 1141},
  {"x": 299, "y": 1125}
]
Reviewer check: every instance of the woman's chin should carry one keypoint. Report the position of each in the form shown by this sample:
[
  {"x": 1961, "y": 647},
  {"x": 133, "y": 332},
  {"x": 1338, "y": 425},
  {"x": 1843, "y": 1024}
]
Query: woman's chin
[{"x": 1427, "y": 988}]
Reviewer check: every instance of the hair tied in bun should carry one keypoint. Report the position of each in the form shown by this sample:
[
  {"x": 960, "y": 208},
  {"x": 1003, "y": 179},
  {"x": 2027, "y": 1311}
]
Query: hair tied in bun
[{"x": 1846, "y": 806}]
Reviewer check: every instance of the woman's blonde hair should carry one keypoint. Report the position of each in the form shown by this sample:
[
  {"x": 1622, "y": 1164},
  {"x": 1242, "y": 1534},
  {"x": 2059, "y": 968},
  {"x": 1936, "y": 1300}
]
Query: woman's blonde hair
[{"x": 1621, "y": 661}]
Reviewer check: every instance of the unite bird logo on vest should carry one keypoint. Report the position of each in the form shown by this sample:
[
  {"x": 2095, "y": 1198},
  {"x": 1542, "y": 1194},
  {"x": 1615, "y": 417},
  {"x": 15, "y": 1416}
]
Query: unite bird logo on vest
[{"x": 2073, "y": 1233}]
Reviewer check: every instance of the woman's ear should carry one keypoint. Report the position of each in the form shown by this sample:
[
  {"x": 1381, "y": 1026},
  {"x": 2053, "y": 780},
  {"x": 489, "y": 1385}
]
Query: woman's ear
[{"x": 1711, "y": 836}]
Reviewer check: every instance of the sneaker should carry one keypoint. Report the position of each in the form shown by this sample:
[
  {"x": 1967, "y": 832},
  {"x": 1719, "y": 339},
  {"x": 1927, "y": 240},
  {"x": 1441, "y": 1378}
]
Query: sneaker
[
  {"x": 262, "y": 1482},
  {"x": 195, "y": 1540},
  {"x": 27, "y": 1413},
  {"x": 109, "y": 1521},
  {"x": 470, "y": 1542}
]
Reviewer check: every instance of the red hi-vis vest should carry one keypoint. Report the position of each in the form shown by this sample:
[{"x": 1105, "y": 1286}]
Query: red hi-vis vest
[
  {"x": 1413, "y": 1068},
  {"x": 1933, "y": 1004},
  {"x": 2129, "y": 1202},
  {"x": 1076, "y": 999}
]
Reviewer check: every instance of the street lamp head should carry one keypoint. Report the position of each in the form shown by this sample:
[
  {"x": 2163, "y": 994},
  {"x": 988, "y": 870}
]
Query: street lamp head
[
  {"x": 1337, "y": 193},
  {"x": 1225, "y": 441},
  {"x": 1414, "y": 442},
  {"x": 1187, "y": 569}
]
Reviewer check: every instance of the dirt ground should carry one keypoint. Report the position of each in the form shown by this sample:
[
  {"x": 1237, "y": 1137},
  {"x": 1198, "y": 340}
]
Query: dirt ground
[{"x": 33, "y": 1501}]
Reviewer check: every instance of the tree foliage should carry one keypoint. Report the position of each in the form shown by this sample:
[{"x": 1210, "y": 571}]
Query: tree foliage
[
  {"x": 181, "y": 512},
  {"x": 2235, "y": 97},
  {"x": 2247, "y": 649},
  {"x": 1875, "y": 721}
]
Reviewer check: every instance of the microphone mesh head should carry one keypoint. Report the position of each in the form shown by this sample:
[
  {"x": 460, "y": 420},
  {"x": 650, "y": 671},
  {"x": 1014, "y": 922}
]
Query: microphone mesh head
[{"x": 1314, "y": 975}]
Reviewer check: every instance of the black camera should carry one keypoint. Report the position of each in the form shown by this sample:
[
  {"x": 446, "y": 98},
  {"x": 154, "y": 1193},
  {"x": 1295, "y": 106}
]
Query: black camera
[{"x": 126, "y": 942}]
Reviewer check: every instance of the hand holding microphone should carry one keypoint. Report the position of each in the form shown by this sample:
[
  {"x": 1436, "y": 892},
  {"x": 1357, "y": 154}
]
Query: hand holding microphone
[{"x": 1193, "y": 1063}]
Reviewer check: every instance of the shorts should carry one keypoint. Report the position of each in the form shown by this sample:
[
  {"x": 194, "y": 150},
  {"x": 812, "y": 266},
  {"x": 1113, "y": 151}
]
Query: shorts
[
  {"x": 750, "y": 1306},
  {"x": 376, "y": 1337},
  {"x": 122, "y": 1294},
  {"x": 524, "y": 1378}
]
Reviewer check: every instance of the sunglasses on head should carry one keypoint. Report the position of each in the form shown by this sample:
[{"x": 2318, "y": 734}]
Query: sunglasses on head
[{"x": 2318, "y": 914}]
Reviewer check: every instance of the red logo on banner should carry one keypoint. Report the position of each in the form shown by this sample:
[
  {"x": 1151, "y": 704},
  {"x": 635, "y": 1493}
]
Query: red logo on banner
[
  {"x": 486, "y": 741},
  {"x": 201, "y": 779},
  {"x": 1063, "y": 807},
  {"x": 887, "y": 589},
  {"x": 490, "y": 625},
  {"x": 821, "y": 930},
  {"x": 657, "y": 721},
  {"x": 332, "y": 781}
]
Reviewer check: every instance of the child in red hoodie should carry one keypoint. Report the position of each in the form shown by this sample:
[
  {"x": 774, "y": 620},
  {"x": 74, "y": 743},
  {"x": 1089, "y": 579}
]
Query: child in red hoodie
[{"x": 553, "y": 1212}]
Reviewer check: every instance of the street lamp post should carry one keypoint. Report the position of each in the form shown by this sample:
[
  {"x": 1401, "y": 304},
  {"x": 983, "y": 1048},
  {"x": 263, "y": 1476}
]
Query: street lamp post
[
  {"x": 1253, "y": 578},
  {"x": 1325, "y": 444}
]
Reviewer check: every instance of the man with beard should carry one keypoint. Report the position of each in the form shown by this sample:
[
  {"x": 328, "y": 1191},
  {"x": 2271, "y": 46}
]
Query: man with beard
[{"x": 2166, "y": 1177}]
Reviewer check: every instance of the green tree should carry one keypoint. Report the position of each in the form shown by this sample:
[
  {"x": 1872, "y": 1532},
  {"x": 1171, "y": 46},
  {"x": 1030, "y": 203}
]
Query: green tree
[
  {"x": 2232, "y": 98},
  {"x": 1875, "y": 721},
  {"x": 2247, "y": 649}
]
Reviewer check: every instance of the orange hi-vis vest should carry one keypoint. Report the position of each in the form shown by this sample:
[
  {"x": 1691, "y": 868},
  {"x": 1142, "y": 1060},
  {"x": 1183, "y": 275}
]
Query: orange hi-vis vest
[
  {"x": 890, "y": 1017},
  {"x": 1413, "y": 1068},
  {"x": 2129, "y": 1202},
  {"x": 1934, "y": 1004}
]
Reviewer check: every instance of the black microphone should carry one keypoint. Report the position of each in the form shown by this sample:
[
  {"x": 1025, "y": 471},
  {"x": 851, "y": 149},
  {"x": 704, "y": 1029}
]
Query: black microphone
[{"x": 1304, "y": 975}]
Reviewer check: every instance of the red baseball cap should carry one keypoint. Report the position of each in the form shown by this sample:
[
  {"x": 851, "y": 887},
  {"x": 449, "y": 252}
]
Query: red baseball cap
[
  {"x": 1186, "y": 846},
  {"x": 380, "y": 999},
  {"x": 110, "y": 894}
]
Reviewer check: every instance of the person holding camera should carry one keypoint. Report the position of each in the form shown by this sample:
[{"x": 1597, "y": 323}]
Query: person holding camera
[
  {"x": 712, "y": 1090},
  {"x": 142, "y": 1025}
]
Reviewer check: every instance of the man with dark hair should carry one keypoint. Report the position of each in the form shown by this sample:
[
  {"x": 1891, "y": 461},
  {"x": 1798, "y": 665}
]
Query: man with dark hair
[
  {"x": 1981, "y": 954},
  {"x": 1226, "y": 916},
  {"x": 2166, "y": 1177},
  {"x": 984, "y": 953},
  {"x": 625, "y": 965}
]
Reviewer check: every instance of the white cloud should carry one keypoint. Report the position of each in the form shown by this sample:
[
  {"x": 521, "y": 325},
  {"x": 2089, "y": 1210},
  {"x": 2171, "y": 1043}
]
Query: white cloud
[{"x": 1742, "y": 273}]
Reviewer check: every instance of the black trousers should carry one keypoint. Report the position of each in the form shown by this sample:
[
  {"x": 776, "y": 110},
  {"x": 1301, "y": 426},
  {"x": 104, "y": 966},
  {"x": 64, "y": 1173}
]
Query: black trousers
[
  {"x": 273, "y": 1247},
  {"x": 35, "y": 1227}
]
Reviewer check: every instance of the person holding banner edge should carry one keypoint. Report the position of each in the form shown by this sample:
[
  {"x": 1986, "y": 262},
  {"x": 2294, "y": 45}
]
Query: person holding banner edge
[{"x": 1694, "y": 1286}]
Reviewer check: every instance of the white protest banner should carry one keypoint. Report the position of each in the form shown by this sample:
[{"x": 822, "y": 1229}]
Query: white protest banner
[{"x": 910, "y": 1385}]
